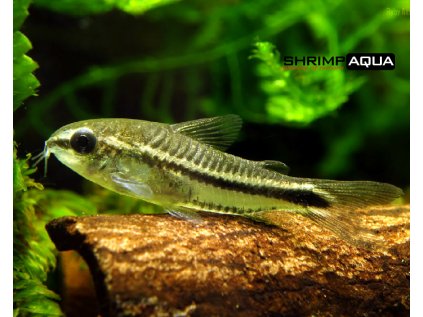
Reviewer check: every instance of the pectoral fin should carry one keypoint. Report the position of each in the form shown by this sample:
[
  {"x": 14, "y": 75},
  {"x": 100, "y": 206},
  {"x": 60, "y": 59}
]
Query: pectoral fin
[
  {"x": 218, "y": 132},
  {"x": 134, "y": 188}
]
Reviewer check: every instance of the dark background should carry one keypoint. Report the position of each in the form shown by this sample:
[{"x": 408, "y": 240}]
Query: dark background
[{"x": 191, "y": 59}]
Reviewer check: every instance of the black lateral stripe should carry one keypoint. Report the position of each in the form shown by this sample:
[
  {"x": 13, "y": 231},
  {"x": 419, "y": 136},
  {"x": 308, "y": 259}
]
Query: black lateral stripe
[{"x": 296, "y": 196}]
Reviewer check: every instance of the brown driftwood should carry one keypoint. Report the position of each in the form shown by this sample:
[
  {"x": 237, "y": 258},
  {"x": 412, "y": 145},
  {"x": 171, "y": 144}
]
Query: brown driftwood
[{"x": 158, "y": 265}]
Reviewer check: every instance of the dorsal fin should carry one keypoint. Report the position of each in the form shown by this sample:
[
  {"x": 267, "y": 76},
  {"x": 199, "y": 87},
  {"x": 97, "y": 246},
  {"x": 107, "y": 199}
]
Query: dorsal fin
[
  {"x": 218, "y": 132},
  {"x": 276, "y": 166}
]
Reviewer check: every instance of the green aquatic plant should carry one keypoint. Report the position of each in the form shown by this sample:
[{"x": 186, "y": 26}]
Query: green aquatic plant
[
  {"x": 24, "y": 82},
  {"x": 33, "y": 255},
  {"x": 303, "y": 97}
]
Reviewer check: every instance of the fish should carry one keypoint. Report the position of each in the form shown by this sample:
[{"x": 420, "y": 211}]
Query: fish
[{"x": 184, "y": 168}]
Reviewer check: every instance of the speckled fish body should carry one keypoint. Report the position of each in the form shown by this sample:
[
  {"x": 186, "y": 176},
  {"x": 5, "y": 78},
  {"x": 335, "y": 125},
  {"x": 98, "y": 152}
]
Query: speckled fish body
[{"x": 183, "y": 168}]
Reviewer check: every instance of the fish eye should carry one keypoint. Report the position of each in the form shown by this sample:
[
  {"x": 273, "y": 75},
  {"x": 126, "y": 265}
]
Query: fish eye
[{"x": 83, "y": 141}]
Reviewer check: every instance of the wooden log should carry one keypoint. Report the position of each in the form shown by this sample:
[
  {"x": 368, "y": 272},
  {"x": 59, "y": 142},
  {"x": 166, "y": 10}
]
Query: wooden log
[{"x": 158, "y": 265}]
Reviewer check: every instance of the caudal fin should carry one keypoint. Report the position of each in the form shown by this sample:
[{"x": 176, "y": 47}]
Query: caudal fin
[
  {"x": 341, "y": 215},
  {"x": 357, "y": 194},
  {"x": 344, "y": 199}
]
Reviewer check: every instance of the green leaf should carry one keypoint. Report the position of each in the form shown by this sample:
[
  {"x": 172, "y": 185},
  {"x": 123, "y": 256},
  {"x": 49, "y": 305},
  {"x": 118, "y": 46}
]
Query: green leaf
[
  {"x": 24, "y": 82},
  {"x": 140, "y": 6},
  {"x": 20, "y": 12},
  {"x": 32, "y": 288},
  {"x": 83, "y": 7}
]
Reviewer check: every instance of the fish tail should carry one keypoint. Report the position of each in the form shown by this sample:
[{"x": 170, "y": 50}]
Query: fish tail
[
  {"x": 342, "y": 214},
  {"x": 346, "y": 224},
  {"x": 358, "y": 194}
]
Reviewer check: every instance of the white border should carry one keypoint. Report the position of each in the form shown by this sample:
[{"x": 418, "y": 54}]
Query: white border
[{"x": 6, "y": 172}]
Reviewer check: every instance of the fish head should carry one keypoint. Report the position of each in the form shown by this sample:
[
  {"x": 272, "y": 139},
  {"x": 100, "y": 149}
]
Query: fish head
[
  {"x": 92, "y": 147},
  {"x": 76, "y": 145}
]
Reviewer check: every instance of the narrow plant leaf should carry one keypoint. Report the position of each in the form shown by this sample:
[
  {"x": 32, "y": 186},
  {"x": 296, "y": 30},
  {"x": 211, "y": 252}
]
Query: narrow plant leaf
[
  {"x": 140, "y": 6},
  {"x": 82, "y": 7}
]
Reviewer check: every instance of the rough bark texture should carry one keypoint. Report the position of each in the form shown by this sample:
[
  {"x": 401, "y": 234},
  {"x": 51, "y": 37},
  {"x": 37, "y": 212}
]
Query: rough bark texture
[{"x": 158, "y": 265}]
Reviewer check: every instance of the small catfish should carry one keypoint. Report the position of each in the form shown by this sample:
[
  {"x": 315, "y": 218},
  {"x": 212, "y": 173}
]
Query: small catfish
[{"x": 182, "y": 167}]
